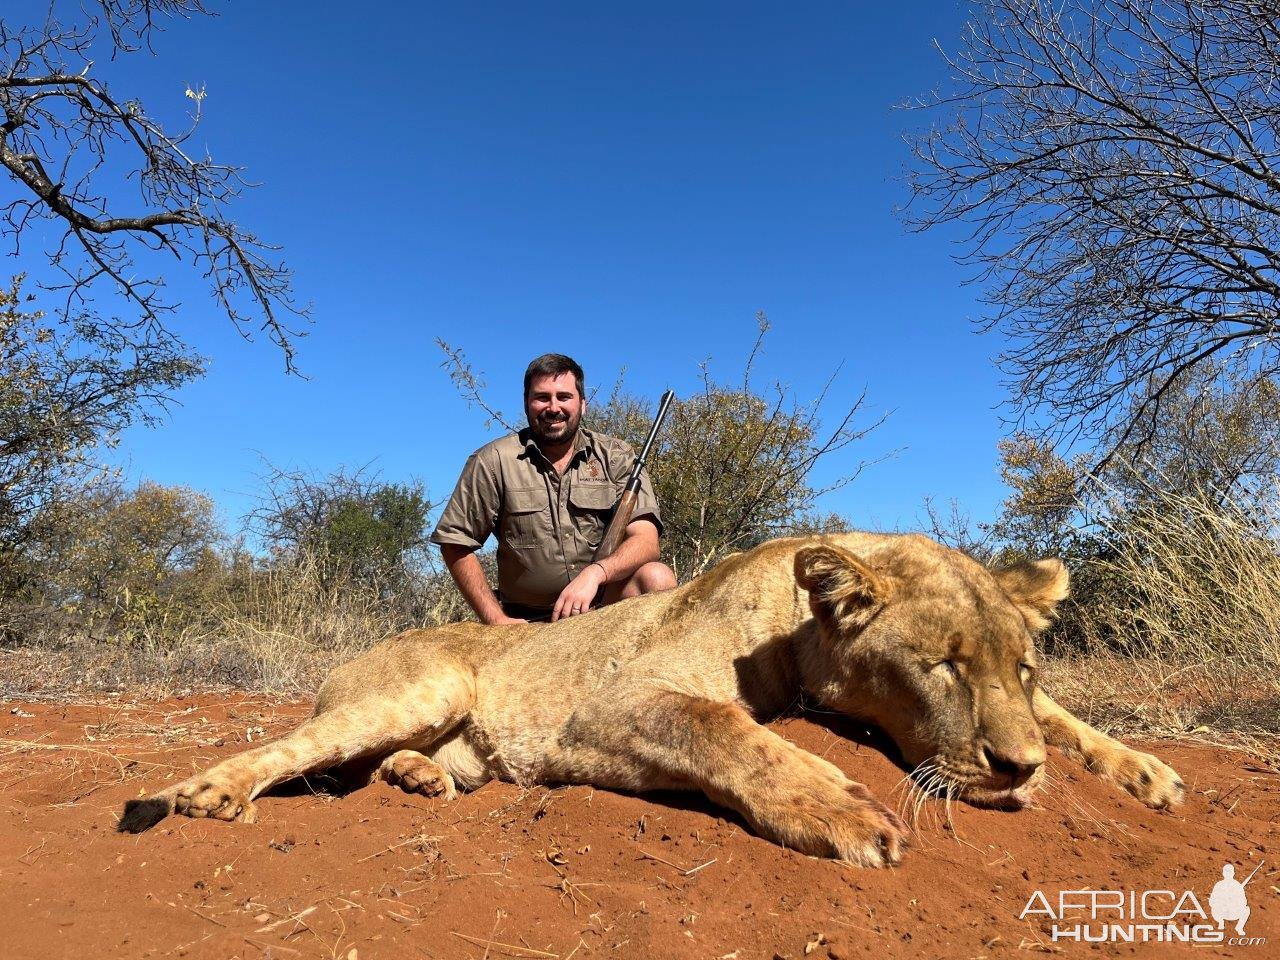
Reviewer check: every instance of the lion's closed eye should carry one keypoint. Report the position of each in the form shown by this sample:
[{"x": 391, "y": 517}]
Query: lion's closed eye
[{"x": 945, "y": 668}]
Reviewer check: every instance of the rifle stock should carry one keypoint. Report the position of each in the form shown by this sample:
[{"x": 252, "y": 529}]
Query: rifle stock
[{"x": 617, "y": 528}]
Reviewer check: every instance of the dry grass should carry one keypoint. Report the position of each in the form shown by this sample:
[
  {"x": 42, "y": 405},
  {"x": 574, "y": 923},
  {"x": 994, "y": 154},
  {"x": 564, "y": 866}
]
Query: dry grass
[
  {"x": 1185, "y": 640},
  {"x": 279, "y": 631}
]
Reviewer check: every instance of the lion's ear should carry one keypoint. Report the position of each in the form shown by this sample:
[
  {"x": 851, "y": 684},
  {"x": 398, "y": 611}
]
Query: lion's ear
[
  {"x": 1036, "y": 587},
  {"x": 843, "y": 591}
]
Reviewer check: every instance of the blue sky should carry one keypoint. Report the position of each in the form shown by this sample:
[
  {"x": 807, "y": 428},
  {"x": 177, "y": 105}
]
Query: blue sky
[{"x": 628, "y": 185}]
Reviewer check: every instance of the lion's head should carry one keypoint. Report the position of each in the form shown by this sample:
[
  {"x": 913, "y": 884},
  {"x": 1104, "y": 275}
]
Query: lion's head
[{"x": 937, "y": 651}]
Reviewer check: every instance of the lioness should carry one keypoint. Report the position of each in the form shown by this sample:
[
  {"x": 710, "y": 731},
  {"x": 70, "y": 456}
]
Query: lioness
[{"x": 665, "y": 691}]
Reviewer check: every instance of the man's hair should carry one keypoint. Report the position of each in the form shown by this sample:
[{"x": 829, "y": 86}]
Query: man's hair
[{"x": 552, "y": 365}]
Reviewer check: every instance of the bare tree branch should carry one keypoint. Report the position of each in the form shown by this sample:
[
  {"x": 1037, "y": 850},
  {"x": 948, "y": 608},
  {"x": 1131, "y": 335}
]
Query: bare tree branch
[
  {"x": 470, "y": 385},
  {"x": 1117, "y": 166},
  {"x": 65, "y": 138}
]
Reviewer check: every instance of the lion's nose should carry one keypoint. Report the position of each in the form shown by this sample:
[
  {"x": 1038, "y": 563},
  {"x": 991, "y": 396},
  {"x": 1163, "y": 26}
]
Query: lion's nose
[{"x": 1017, "y": 765}]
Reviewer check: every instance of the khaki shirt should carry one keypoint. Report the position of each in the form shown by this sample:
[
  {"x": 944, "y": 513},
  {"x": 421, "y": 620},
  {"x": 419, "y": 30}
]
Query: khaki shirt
[{"x": 548, "y": 524}]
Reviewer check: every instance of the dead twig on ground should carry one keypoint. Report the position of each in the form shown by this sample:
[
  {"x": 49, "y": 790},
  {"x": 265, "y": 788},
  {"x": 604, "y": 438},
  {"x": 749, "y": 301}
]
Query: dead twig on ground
[
  {"x": 295, "y": 916},
  {"x": 417, "y": 838},
  {"x": 204, "y": 916},
  {"x": 509, "y": 948}
]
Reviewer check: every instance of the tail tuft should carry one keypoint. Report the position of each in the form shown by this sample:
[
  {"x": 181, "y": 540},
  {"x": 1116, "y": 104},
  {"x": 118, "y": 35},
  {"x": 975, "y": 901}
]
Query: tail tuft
[{"x": 140, "y": 815}]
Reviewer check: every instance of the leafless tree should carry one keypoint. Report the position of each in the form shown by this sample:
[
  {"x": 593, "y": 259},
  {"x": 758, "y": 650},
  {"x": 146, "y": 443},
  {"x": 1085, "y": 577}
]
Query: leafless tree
[
  {"x": 1117, "y": 167},
  {"x": 1217, "y": 443},
  {"x": 351, "y": 521},
  {"x": 295, "y": 503},
  {"x": 734, "y": 465},
  {"x": 68, "y": 142}
]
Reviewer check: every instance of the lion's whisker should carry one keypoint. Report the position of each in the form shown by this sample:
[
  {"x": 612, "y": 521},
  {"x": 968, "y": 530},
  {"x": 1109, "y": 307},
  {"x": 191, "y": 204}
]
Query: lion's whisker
[
  {"x": 917, "y": 799},
  {"x": 928, "y": 788},
  {"x": 951, "y": 788},
  {"x": 917, "y": 785}
]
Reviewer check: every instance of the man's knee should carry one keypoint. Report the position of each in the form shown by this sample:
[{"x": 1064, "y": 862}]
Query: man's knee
[{"x": 653, "y": 577}]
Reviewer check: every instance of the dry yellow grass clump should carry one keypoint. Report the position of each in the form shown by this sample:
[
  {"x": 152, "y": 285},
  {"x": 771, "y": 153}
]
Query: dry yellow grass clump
[
  {"x": 1185, "y": 636},
  {"x": 276, "y": 630}
]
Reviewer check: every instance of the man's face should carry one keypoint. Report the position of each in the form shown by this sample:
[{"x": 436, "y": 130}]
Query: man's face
[{"x": 554, "y": 408}]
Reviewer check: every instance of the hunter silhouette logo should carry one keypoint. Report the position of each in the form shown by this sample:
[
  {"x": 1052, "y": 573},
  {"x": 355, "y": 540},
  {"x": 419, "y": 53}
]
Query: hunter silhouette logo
[
  {"x": 1148, "y": 916},
  {"x": 1228, "y": 900}
]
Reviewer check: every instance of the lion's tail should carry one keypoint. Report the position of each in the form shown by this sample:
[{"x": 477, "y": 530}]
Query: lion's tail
[{"x": 140, "y": 815}]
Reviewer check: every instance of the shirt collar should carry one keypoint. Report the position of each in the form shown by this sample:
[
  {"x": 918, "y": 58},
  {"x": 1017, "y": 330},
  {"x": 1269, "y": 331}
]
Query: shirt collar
[{"x": 584, "y": 440}]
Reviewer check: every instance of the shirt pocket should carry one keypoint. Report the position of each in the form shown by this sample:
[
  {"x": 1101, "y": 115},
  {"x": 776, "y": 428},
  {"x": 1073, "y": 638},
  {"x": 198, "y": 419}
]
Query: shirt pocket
[
  {"x": 525, "y": 521},
  {"x": 592, "y": 507}
]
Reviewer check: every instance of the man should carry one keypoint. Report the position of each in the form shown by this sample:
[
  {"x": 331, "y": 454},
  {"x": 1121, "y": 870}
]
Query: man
[{"x": 546, "y": 492}]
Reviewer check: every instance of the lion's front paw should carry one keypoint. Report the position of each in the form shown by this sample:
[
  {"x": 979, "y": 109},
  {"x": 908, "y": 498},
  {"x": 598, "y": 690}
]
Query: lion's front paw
[
  {"x": 845, "y": 823},
  {"x": 1146, "y": 777},
  {"x": 217, "y": 800}
]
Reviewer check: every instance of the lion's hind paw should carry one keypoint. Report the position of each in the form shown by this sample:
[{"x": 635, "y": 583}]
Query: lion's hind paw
[{"x": 415, "y": 773}]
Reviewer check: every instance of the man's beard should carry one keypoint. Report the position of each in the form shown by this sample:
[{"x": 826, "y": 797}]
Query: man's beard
[{"x": 560, "y": 431}]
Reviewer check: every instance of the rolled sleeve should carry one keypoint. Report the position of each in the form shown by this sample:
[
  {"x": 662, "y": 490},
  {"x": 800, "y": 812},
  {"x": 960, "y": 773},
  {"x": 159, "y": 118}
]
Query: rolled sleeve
[
  {"x": 472, "y": 512},
  {"x": 647, "y": 503}
]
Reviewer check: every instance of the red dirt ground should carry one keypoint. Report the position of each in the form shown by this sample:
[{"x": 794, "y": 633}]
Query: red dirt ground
[{"x": 569, "y": 872}]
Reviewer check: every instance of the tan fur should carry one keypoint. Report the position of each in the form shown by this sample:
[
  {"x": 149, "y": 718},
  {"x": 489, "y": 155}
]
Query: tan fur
[{"x": 667, "y": 691}]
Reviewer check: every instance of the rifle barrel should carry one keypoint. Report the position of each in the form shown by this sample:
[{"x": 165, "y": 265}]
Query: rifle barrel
[
  {"x": 663, "y": 404},
  {"x": 622, "y": 510}
]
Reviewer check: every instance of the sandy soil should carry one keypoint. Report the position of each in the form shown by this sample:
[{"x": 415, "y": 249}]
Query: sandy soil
[{"x": 569, "y": 872}]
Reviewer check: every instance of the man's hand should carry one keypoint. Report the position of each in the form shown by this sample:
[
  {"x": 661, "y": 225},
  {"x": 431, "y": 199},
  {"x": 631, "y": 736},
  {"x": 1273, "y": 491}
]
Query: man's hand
[
  {"x": 578, "y": 596},
  {"x": 502, "y": 619}
]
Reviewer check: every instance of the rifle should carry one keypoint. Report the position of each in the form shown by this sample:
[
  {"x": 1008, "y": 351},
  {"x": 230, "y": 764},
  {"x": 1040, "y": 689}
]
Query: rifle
[{"x": 626, "y": 505}]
